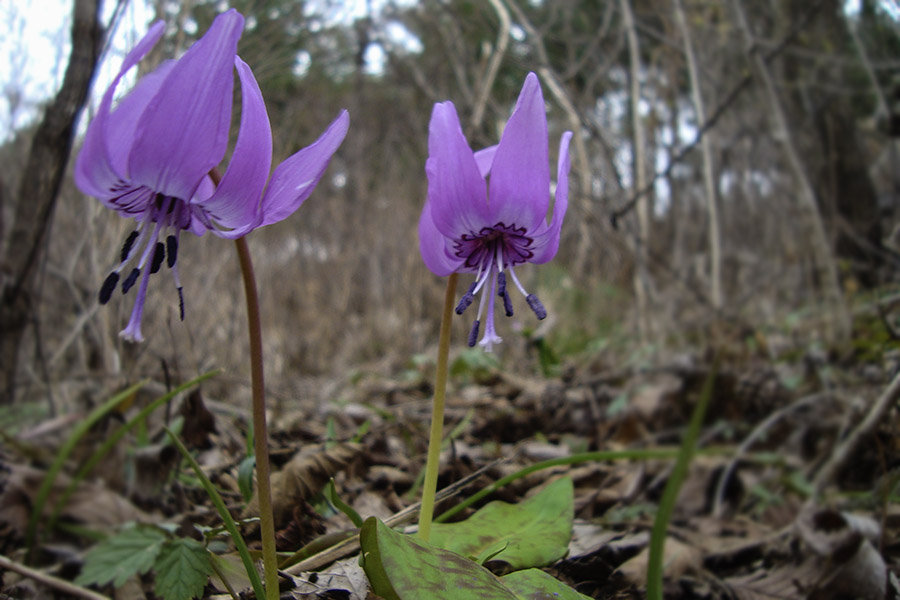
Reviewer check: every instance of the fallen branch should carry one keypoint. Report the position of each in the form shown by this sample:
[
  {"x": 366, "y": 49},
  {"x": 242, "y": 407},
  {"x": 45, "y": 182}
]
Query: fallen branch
[
  {"x": 62, "y": 585},
  {"x": 843, "y": 452}
]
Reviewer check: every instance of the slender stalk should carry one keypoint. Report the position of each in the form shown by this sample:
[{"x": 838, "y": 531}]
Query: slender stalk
[
  {"x": 260, "y": 435},
  {"x": 658, "y": 533},
  {"x": 432, "y": 464}
]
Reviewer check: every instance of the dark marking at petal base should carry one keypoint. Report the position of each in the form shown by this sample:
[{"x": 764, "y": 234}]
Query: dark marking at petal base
[
  {"x": 130, "y": 280},
  {"x": 181, "y": 302},
  {"x": 108, "y": 287},
  {"x": 159, "y": 255}
]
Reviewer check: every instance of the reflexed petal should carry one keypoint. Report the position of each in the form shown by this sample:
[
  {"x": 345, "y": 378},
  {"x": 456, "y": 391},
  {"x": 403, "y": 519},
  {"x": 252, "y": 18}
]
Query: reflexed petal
[
  {"x": 456, "y": 189},
  {"x": 547, "y": 243},
  {"x": 295, "y": 178},
  {"x": 433, "y": 246},
  {"x": 484, "y": 159},
  {"x": 94, "y": 173},
  {"x": 520, "y": 174},
  {"x": 235, "y": 203},
  {"x": 184, "y": 132}
]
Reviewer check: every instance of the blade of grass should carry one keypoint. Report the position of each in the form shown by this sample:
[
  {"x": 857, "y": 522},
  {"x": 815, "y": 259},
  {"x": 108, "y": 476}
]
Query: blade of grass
[
  {"x": 673, "y": 486},
  {"x": 111, "y": 441},
  {"x": 332, "y": 496},
  {"x": 65, "y": 451},
  {"x": 227, "y": 519}
]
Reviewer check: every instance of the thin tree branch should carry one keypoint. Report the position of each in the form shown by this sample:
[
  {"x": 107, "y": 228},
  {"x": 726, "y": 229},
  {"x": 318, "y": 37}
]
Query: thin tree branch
[{"x": 717, "y": 113}]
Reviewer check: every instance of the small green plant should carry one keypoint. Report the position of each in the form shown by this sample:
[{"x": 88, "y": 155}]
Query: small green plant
[{"x": 181, "y": 566}]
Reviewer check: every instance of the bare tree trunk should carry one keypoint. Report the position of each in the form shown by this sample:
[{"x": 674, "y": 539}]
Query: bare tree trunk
[
  {"x": 639, "y": 160},
  {"x": 709, "y": 176},
  {"x": 838, "y": 322},
  {"x": 40, "y": 183}
]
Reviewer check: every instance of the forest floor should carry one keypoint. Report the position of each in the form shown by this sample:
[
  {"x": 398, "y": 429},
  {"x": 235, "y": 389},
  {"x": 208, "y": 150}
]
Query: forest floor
[{"x": 794, "y": 491}]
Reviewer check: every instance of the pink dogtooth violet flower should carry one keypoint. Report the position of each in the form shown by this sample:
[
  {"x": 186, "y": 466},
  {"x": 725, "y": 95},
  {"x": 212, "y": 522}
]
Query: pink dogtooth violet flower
[
  {"x": 486, "y": 211},
  {"x": 150, "y": 158}
]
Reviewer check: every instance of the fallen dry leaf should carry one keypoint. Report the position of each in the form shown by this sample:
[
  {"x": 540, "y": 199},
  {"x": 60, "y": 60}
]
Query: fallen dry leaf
[
  {"x": 302, "y": 477},
  {"x": 678, "y": 559}
]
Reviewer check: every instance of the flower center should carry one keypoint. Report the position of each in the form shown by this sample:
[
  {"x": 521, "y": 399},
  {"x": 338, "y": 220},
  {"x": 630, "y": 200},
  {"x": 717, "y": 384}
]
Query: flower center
[
  {"x": 491, "y": 254},
  {"x": 506, "y": 243}
]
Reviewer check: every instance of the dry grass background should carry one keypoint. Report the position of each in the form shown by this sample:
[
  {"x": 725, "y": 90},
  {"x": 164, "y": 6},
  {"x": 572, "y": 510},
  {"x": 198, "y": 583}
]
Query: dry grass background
[{"x": 342, "y": 285}]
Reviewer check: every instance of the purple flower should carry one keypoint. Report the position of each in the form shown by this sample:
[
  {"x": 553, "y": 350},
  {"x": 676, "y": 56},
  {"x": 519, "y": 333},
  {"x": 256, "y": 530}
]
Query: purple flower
[
  {"x": 150, "y": 158},
  {"x": 486, "y": 212}
]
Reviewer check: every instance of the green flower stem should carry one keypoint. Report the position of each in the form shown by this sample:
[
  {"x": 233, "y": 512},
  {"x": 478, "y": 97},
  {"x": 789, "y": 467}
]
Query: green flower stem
[
  {"x": 432, "y": 464},
  {"x": 260, "y": 435}
]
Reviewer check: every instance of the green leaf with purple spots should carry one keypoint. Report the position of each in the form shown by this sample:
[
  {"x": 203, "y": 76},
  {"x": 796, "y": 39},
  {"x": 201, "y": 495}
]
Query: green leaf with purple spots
[{"x": 532, "y": 533}]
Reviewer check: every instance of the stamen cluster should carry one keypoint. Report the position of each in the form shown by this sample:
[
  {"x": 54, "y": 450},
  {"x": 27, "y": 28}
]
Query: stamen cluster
[{"x": 493, "y": 253}]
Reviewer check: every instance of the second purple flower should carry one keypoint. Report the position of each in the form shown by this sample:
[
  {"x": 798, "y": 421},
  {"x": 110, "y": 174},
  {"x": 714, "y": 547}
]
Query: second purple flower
[{"x": 486, "y": 211}]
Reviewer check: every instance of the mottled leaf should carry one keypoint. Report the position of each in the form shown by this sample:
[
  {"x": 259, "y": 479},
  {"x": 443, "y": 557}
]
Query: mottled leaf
[
  {"x": 535, "y": 584},
  {"x": 400, "y": 567},
  {"x": 533, "y": 533}
]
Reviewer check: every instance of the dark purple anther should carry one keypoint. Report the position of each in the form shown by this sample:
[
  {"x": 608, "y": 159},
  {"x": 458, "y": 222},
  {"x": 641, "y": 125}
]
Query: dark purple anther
[
  {"x": 181, "y": 303},
  {"x": 467, "y": 299},
  {"x": 130, "y": 280},
  {"x": 171, "y": 250},
  {"x": 126, "y": 247},
  {"x": 536, "y": 306},
  {"x": 507, "y": 305},
  {"x": 473, "y": 334},
  {"x": 159, "y": 254},
  {"x": 109, "y": 285}
]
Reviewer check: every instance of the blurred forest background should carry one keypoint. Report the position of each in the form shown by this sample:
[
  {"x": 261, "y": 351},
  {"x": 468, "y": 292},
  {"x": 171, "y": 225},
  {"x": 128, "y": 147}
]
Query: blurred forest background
[{"x": 734, "y": 186}]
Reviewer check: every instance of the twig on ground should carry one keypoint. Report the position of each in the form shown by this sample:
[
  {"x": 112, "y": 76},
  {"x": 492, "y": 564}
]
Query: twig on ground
[
  {"x": 758, "y": 432},
  {"x": 62, "y": 585},
  {"x": 846, "y": 449}
]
